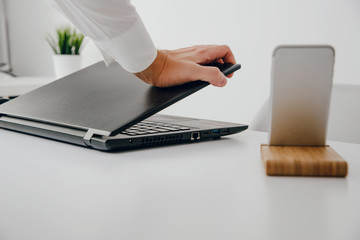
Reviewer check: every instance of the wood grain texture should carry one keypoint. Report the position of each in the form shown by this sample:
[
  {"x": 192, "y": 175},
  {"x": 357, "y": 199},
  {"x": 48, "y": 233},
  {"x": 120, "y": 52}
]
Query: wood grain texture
[{"x": 303, "y": 161}]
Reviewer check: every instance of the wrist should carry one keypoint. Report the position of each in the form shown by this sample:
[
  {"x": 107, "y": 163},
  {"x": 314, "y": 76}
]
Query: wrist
[{"x": 152, "y": 73}]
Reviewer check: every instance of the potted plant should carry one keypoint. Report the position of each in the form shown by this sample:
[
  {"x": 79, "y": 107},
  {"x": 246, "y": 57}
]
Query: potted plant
[{"x": 66, "y": 47}]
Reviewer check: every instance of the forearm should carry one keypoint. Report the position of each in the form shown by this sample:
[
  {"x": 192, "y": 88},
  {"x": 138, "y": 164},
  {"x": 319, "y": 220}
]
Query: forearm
[
  {"x": 117, "y": 30},
  {"x": 115, "y": 27}
]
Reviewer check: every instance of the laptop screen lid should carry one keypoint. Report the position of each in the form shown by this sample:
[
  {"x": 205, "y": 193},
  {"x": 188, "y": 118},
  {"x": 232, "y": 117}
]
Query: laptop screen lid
[{"x": 105, "y": 100}]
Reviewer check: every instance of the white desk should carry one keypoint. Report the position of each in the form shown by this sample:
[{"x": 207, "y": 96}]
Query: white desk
[{"x": 213, "y": 190}]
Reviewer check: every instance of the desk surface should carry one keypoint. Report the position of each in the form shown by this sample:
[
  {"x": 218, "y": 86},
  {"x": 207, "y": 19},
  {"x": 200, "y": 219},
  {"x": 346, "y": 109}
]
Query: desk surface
[
  {"x": 210, "y": 190},
  {"x": 15, "y": 86}
]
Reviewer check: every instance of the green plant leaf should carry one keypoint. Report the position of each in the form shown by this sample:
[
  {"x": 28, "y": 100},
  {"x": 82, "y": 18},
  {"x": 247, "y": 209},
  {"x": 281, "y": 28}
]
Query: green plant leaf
[{"x": 68, "y": 41}]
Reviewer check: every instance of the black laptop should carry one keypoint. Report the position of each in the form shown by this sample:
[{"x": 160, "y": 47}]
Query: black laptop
[{"x": 107, "y": 108}]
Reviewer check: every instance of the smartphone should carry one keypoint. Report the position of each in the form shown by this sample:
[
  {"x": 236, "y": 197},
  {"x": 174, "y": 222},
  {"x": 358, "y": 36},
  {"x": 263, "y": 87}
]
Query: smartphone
[{"x": 301, "y": 85}]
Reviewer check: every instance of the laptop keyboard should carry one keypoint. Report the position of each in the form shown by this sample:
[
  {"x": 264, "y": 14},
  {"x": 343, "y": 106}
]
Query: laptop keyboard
[{"x": 149, "y": 127}]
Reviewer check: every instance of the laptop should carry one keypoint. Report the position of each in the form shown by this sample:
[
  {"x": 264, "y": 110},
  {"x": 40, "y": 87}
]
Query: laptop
[{"x": 107, "y": 108}]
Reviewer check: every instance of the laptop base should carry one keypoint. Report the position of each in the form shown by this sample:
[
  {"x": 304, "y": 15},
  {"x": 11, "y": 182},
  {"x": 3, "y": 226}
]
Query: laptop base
[{"x": 198, "y": 130}]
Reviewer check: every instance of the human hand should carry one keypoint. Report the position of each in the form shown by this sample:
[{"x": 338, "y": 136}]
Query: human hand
[{"x": 176, "y": 67}]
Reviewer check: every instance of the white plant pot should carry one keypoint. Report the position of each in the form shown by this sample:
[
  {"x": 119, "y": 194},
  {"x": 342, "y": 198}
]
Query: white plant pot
[{"x": 66, "y": 64}]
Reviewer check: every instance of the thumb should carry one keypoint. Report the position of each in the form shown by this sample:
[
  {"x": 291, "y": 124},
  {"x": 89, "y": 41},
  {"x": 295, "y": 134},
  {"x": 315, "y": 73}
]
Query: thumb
[{"x": 212, "y": 75}]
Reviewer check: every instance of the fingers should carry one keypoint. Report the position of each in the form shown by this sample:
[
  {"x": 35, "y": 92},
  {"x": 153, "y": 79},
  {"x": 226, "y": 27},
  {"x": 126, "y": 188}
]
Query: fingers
[
  {"x": 230, "y": 75},
  {"x": 208, "y": 54},
  {"x": 209, "y": 74}
]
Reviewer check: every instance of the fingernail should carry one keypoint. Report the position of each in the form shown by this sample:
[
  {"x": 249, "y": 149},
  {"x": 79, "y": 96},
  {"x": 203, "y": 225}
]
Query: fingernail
[{"x": 223, "y": 82}]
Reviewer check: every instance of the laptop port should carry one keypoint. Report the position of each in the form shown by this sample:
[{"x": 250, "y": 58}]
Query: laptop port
[
  {"x": 216, "y": 131},
  {"x": 206, "y": 133},
  {"x": 195, "y": 136},
  {"x": 225, "y": 130}
]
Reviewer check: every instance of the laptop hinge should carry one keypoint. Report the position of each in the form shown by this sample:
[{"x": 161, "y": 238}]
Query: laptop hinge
[{"x": 91, "y": 132}]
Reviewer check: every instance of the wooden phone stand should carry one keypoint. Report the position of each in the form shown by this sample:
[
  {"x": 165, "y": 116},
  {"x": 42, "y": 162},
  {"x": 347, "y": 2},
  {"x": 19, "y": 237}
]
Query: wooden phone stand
[{"x": 303, "y": 161}]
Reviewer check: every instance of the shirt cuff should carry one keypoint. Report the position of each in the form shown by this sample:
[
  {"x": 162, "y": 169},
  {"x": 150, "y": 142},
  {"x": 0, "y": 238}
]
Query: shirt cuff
[{"x": 133, "y": 50}]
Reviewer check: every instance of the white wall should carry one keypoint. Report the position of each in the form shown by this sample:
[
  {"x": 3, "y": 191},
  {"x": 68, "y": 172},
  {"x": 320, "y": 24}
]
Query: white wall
[
  {"x": 29, "y": 23},
  {"x": 251, "y": 28}
]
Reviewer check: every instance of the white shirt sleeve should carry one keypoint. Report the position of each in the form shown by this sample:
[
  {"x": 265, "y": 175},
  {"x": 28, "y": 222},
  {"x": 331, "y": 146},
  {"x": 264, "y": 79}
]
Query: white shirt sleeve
[{"x": 115, "y": 27}]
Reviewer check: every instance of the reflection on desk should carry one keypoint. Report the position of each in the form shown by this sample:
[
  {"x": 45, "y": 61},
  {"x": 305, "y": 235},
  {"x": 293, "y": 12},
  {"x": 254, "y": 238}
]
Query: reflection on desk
[{"x": 210, "y": 190}]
